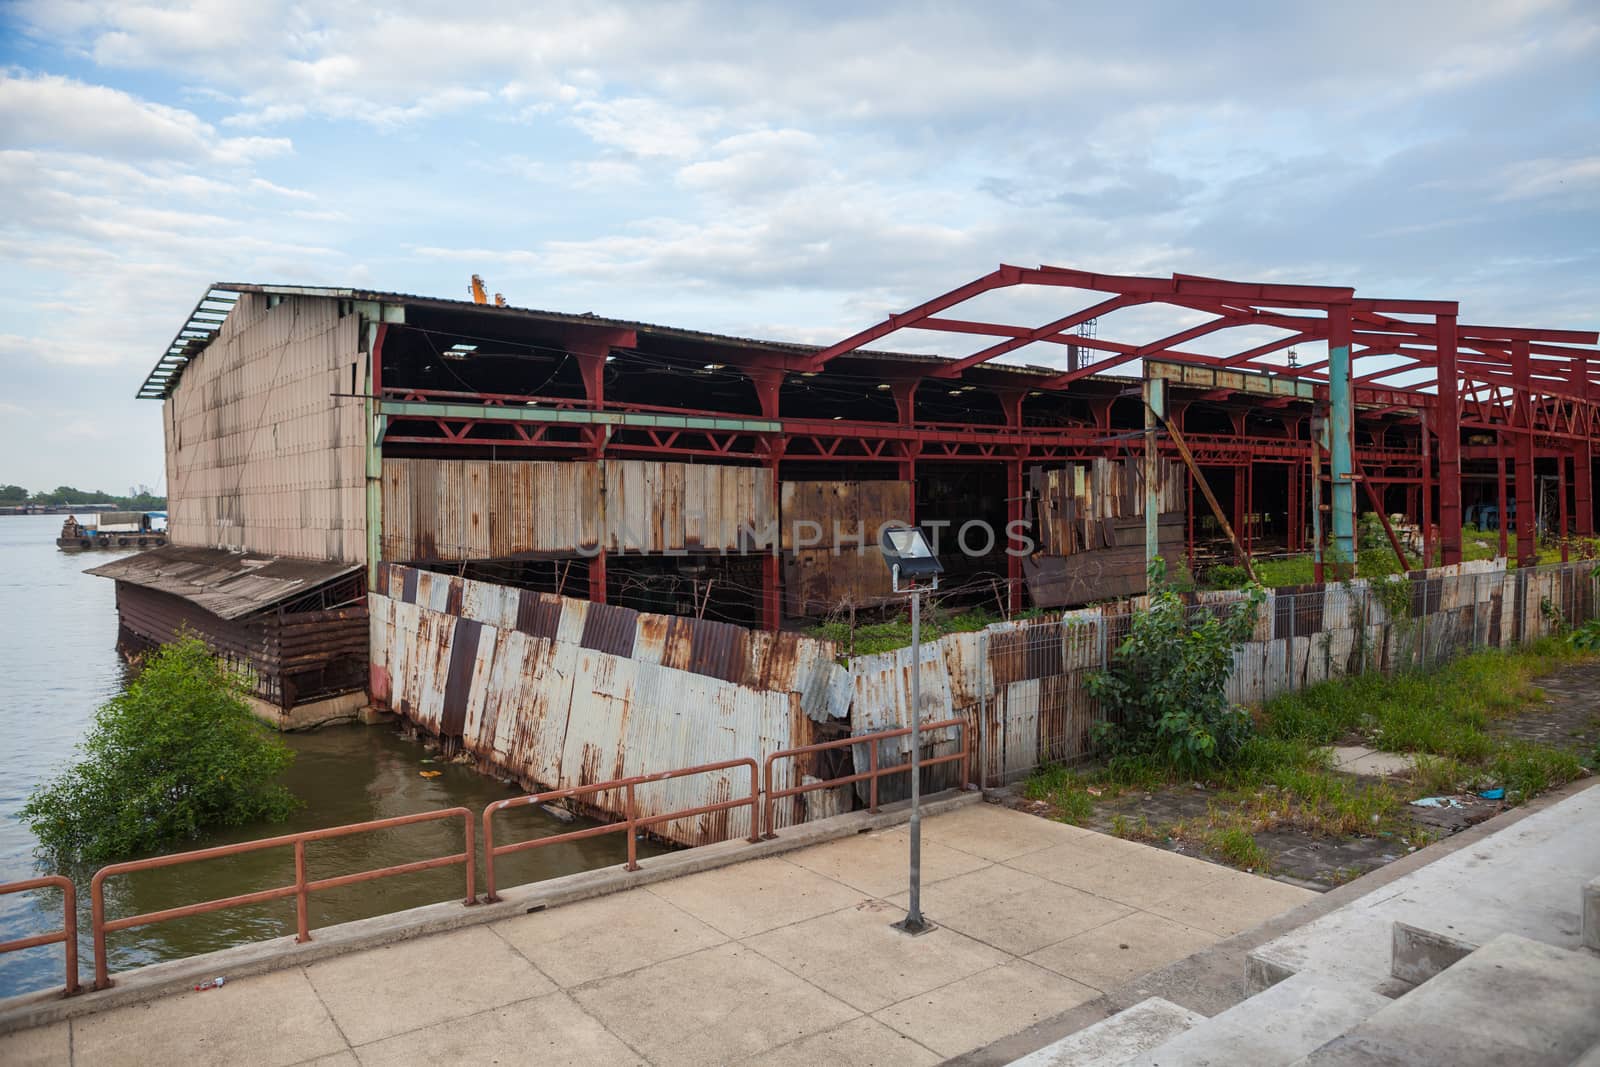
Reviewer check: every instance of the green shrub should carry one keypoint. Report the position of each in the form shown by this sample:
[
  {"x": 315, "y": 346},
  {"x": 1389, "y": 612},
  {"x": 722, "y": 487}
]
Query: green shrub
[
  {"x": 1586, "y": 638},
  {"x": 1164, "y": 693},
  {"x": 175, "y": 753}
]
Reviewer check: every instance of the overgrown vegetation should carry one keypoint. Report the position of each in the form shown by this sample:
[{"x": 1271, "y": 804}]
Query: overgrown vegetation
[
  {"x": 177, "y": 752},
  {"x": 1586, "y": 638},
  {"x": 1376, "y": 558},
  {"x": 867, "y": 638},
  {"x": 1163, "y": 693},
  {"x": 1278, "y": 776}
]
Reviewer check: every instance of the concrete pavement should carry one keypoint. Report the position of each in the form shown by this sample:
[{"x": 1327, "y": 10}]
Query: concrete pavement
[{"x": 782, "y": 960}]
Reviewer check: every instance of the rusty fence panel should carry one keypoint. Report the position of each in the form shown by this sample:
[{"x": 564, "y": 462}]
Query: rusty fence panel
[
  {"x": 301, "y": 889},
  {"x": 67, "y": 935},
  {"x": 873, "y": 771},
  {"x": 631, "y": 821}
]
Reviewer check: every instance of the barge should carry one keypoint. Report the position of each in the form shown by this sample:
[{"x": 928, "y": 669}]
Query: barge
[{"x": 114, "y": 529}]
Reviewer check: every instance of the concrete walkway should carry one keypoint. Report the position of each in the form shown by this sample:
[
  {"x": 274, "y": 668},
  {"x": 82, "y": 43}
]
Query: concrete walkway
[{"x": 782, "y": 960}]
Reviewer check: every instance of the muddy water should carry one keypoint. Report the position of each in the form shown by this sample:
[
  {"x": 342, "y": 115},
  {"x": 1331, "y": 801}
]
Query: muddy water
[{"x": 58, "y": 662}]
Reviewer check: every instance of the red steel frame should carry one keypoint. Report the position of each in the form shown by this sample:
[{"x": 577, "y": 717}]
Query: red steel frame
[{"x": 1532, "y": 387}]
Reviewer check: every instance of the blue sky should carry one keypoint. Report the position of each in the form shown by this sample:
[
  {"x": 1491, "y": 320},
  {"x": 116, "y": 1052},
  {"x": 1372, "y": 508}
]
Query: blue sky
[{"x": 788, "y": 171}]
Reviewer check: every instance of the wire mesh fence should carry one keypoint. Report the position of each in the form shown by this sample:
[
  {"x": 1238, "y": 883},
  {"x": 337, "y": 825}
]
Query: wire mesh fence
[{"x": 1032, "y": 705}]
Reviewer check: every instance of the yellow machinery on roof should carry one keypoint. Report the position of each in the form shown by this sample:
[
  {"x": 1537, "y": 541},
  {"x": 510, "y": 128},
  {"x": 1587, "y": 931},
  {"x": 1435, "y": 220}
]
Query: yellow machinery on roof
[{"x": 480, "y": 293}]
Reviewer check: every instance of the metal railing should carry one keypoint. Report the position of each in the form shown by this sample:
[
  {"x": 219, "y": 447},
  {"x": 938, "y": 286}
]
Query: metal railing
[
  {"x": 67, "y": 935},
  {"x": 631, "y": 821},
  {"x": 870, "y": 775},
  {"x": 303, "y": 886},
  {"x": 301, "y": 889}
]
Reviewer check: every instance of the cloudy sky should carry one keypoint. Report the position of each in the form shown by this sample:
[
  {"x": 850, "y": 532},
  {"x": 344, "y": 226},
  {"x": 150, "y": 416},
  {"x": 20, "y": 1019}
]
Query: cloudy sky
[{"x": 789, "y": 171}]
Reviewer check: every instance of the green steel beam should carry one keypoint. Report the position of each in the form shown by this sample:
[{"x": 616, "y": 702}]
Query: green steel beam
[{"x": 646, "y": 420}]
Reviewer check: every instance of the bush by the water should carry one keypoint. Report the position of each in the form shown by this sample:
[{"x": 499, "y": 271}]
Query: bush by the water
[
  {"x": 175, "y": 753},
  {"x": 1164, "y": 693}
]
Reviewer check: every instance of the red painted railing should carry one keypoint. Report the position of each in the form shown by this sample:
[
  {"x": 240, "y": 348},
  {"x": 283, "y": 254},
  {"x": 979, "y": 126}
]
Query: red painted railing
[
  {"x": 630, "y": 823},
  {"x": 301, "y": 889},
  {"x": 67, "y": 935},
  {"x": 303, "y": 886},
  {"x": 873, "y": 771}
]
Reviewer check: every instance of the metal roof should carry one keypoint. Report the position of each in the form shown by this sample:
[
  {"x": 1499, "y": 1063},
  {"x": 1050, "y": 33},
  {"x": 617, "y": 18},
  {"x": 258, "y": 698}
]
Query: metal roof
[
  {"x": 228, "y": 584},
  {"x": 197, "y": 331},
  {"x": 206, "y": 319}
]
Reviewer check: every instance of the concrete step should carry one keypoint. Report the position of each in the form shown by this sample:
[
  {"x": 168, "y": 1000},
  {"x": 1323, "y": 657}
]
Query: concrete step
[
  {"x": 1513, "y": 1001},
  {"x": 1521, "y": 880},
  {"x": 1114, "y": 1041},
  {"x": 1270, "y": 1029}
]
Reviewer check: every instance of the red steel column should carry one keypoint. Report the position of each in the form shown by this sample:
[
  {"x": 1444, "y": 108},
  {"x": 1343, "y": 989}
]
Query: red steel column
[
  {"x": 1500, "y": 466},
  {"x": 1561, "y": 501},
  {"x": 1583, "y": 457},
  {"x": 1425, "y": 492},
  {"x": 769, "y": 384},
  {"x": 1447, "y": 426},
  {"x": 905, "y": 406},
  {"x": 1239, "y": 493},
  {"x": 592, "y": 367},
  {"x": 1011, "y": 404},
  {"x": 1522, "y": 408},
  {"x": 1013, "y": 514}
]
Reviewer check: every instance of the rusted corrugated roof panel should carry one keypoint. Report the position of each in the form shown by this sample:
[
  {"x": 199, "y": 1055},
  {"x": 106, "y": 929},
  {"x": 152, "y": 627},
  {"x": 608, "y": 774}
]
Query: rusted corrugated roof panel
[
  {"x": 538, "y": 614},
  {"x": 719, "y": 650},
  {"x": 230, "y": 585},
  {"x": 607, "y": 628}
]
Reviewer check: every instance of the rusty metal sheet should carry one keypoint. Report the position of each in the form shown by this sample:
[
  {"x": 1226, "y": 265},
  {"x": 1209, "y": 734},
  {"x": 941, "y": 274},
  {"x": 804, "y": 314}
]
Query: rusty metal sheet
[
  {"x": 458, "y": 675},
  {"x": 538, "y": 614},
  {"x": 607, "y": 628},
  {"x": 229, "y": 585},
  {"x": 720, "y": 650}
]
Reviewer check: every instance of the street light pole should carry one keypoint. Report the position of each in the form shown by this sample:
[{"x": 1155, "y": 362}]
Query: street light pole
[
  {"x": 907, "y": 552},
  {"x": 914, "y": 923}
]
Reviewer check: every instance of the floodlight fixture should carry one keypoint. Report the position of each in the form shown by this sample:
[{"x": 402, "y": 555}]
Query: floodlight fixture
[{"x": 909, "y": 554}]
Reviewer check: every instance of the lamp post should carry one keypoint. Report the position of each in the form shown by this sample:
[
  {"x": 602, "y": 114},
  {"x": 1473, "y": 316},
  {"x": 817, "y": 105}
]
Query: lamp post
[{"x": 909, "y": 555}]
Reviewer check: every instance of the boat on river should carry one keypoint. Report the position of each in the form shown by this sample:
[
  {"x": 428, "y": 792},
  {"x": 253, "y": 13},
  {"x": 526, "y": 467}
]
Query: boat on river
[{"x": 114, "y": 529}]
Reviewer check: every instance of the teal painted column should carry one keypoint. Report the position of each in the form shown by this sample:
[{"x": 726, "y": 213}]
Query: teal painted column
[
  {"x": 1341, "y": 440},
  {"x": 1155, "y": 406}
]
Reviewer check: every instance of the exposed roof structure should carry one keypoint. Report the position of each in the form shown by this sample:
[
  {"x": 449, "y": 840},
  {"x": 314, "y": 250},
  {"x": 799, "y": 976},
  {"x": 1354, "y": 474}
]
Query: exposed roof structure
[
  {"x": 228, "y": 584},
  {"x": 202, "y": 325},
  {"x": 1408, "y": 337}
]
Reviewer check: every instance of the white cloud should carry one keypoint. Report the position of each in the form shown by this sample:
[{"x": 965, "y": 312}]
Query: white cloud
[
  {"x": 47, "y": 110},
  {"x": 645, "y": 127}
]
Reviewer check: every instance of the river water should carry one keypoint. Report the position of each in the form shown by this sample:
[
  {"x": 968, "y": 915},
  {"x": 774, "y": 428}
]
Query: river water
[{"x": 58, "y": 662}]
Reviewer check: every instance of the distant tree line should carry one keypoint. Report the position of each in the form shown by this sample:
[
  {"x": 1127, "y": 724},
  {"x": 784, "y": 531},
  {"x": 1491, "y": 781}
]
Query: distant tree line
[{"x": 137, "y": 498}]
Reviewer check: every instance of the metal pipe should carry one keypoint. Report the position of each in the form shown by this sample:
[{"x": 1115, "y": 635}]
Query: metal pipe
[{"x": 301, "y": 908}]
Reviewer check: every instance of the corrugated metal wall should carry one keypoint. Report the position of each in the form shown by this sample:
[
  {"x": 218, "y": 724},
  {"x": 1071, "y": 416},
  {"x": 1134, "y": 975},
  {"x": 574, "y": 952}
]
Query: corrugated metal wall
[
  {"x": 261, "y": 455},
  {"x": 562, "y": 692},
  {"x": 437, "y": 509},
  {"x": 822, "y": 578},
  {"x": 1021, "y": 685},
  {"x": 291, "y": 659},
  {"x": 1076, "y": 500}
]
